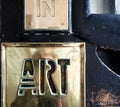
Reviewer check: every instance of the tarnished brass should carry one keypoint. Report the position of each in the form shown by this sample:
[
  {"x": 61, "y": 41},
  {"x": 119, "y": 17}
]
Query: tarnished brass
[
  {"x": 47, "y": 14},
  {"x": 43, "y": 75}
]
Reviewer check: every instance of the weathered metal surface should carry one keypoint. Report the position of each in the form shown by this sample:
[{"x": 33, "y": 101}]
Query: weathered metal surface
[
  {"x": 97, "y": 30},
  {"x": 103, "y": 91},
  {"x": 47, "y": 15},
  {"x": 42, "y": 74}
]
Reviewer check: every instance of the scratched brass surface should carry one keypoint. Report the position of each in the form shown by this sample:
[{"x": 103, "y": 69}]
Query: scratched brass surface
[
  {"x": 47, "y": 14},
  {"x": 13, "y": 55}
]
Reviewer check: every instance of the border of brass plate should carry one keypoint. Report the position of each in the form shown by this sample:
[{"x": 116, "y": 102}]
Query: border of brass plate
[
  {"x": 41, "y": 21},
  {"x": 80, "y": 45}
]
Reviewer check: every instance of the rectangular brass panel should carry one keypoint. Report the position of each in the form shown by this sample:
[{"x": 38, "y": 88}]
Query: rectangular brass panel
[
  {"x": 15, "y": 93},
  {"x": 47, "y": 15}
]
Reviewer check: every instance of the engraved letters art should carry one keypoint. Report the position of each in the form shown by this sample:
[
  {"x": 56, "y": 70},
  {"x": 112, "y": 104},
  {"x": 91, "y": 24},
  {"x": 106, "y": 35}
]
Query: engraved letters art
[{"x": 43, "y": 74}]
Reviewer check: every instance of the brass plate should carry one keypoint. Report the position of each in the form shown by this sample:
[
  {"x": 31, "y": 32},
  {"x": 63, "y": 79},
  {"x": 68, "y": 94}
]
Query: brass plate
[
  {"x": 47, "y": 14},
  {"x": 54, "y": 75}
]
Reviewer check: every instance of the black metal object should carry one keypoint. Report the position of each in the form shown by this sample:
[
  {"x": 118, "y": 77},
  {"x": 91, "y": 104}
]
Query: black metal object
[{"x": 95, "y": 30}]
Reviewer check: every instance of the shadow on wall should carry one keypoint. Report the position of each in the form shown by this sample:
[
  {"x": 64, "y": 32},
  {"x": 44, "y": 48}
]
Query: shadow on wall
[{"x": 110, "y": 59}]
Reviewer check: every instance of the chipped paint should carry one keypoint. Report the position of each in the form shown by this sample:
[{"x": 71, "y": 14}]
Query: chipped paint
[{"x": 105, "y": 98}]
